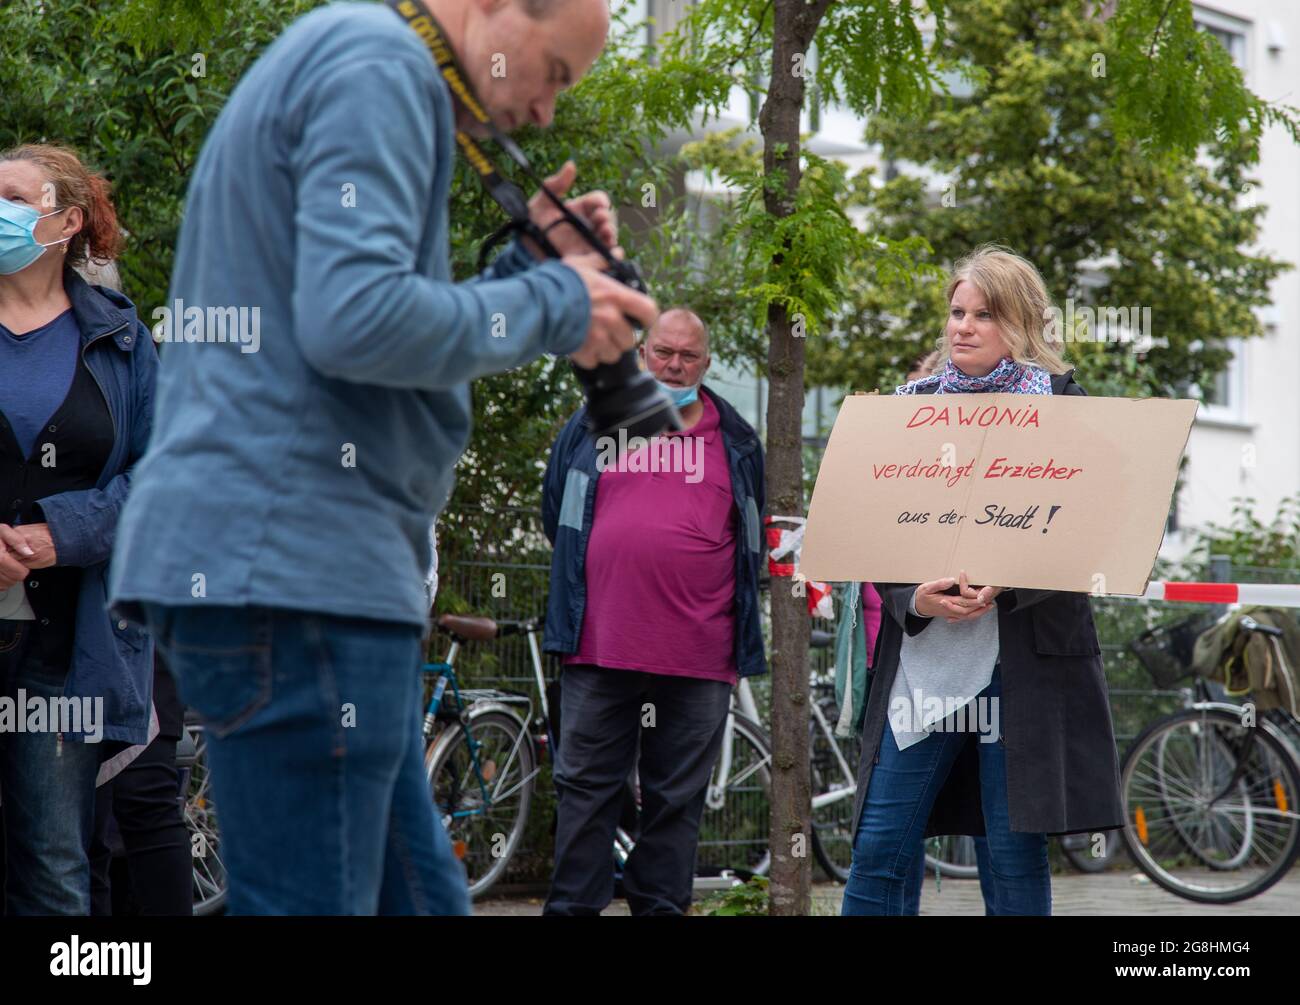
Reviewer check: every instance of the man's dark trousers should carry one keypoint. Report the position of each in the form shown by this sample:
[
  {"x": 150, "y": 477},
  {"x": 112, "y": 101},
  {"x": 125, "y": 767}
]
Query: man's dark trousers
[{"x": 603, "y": 710}]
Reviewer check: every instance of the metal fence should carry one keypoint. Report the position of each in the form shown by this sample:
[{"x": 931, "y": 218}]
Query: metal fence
[
  {"x": 496, "y": 562},
  {"x": 502, "y": 570}
]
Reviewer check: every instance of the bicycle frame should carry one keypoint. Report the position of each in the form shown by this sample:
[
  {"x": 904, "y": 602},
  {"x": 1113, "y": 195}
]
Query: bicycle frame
[
  {"x": 850, "y": 787},
  {"x": 446, "y": 674},
  {"x": 1243, "y": 759},
  {"x": 1248, "y": 624},
  {"x": 742, "y": 700},
  {"x": 479, "y": 703},
  {"x": 445, "y": 671},
  {"x": 742, "y": 696}
]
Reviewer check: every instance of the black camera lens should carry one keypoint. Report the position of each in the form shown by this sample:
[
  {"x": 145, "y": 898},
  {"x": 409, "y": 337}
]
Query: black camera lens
[{"x": 621, "y": 396}]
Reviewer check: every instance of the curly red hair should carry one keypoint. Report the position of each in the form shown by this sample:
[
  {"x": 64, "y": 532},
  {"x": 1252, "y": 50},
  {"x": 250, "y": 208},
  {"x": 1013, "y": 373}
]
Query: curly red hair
[{"x": 100, "y": 237}]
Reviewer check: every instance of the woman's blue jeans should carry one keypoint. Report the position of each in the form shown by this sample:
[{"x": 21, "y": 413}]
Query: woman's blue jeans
[
  {"x": 315, "y": 749},
  {"x": 888, "y": 851},
  {"x": 48, "y": 789}
]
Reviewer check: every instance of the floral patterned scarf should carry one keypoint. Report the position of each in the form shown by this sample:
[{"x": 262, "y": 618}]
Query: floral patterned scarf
[{"x": 1008, "y": 377}]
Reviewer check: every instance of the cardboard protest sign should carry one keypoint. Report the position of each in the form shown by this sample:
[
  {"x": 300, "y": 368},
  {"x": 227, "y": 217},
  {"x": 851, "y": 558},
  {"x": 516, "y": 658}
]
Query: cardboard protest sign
[{"x": 1036, "y": 491}]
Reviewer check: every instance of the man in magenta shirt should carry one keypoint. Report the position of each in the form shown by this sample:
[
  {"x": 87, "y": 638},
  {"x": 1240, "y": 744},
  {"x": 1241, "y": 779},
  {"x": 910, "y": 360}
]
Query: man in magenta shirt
[{"x": 667, "y": 545}]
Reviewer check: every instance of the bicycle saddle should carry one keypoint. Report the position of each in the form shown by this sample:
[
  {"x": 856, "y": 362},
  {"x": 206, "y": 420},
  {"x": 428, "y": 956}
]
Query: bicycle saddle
[{"x": 473, "y": 629}]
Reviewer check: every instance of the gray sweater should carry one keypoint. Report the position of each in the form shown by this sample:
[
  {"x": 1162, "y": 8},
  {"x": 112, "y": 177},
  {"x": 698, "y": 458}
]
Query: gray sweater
[{"x": 944, "y": 665}]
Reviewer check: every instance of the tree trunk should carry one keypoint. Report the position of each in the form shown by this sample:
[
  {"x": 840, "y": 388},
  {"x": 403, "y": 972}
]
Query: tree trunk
[{"x": 794, "y": 25}]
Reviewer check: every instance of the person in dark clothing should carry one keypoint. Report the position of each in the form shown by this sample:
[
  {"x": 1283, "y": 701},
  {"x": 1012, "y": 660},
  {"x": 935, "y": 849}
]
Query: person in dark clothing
[
  {"x": 1023, "y": 664},
  {"x": 77, "y": 370},
  {"x": 654, "y": 606},
  {"x": 141, "y": 808}
]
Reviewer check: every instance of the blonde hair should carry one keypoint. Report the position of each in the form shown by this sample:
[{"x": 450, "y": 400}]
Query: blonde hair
[{"x": 1018, "y": 300}]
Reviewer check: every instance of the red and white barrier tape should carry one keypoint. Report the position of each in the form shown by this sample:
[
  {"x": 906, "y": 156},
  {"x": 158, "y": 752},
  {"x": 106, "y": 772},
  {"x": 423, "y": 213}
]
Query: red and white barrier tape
[
  {"x": 787, "y": 542},
  {"x": 1269, "y": 594},
  {"x": 783, "y": 542}
]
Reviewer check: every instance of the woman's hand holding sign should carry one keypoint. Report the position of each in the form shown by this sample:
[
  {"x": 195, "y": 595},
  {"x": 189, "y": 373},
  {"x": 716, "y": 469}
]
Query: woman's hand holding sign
[{"x": 932, "y": 599}]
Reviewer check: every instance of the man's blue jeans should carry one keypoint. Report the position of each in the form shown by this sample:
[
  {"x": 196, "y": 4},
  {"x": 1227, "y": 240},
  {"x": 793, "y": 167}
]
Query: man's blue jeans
[
  {"x": 888, "y": 851},
  {"x": 313, "y": 734}
]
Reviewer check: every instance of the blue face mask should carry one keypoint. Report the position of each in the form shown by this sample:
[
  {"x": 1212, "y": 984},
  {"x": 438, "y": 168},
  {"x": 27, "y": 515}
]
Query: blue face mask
[
  {"x": 682, "y": 396},
  {"x": 18, "y": 244}
]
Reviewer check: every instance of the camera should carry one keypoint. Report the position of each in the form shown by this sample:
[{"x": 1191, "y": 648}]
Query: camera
[{"x": 621, "y": 395}]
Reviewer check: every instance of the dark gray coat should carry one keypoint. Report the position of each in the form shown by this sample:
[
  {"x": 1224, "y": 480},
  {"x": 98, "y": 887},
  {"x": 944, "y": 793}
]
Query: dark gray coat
[{"x": 1062, "y": 763}]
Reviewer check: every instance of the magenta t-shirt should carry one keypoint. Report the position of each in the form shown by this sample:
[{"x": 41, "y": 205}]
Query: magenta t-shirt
[{"x": 661, "y": 560}]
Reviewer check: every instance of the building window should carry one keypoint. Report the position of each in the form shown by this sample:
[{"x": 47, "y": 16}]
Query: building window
[
  {"x": 1224, "y": 400},
  {"x": 1231, "y": 32}
]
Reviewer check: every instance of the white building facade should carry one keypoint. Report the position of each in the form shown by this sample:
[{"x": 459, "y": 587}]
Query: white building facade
[{"x": 1247, "y": 442}]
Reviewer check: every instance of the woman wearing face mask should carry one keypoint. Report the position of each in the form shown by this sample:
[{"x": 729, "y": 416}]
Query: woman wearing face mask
[
  {"x": 77, "y": 373},
  {"x": 1021, "y": 668}
]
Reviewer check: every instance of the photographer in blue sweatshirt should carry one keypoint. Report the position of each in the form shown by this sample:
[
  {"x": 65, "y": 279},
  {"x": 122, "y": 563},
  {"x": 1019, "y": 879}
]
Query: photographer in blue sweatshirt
[{"x": 277, "y": 533}]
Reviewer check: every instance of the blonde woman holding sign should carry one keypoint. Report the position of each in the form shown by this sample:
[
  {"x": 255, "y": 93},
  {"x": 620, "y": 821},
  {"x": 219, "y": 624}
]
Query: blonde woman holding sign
[{"x": 988, "y": 712}]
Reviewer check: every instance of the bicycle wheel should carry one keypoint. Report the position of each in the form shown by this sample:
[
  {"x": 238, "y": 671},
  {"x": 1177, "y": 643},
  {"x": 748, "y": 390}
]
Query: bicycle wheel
[
  {"x": 1198, "y": 784},
  {"x": 1288, "y": 728},
  {"x": 483, "y": 795},
  {"x": 834, "y": 762},
  {"x": 1218, "y": 846},
  {"x": 952, "y": 856},
  {"x": 737, "y": 818},
  {"x": 210, "y": 884}
]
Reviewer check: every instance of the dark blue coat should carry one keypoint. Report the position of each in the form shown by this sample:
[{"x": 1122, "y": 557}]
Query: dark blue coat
[
  {"x": 569, "y": 500},
  {"x": 111, "y": 658}
]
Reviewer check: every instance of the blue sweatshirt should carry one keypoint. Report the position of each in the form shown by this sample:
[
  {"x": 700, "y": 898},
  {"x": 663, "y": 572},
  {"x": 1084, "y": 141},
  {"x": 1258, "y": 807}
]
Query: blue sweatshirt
[
  {"x": 36, "y": 370},
  {"x": 299, "y": 457}
]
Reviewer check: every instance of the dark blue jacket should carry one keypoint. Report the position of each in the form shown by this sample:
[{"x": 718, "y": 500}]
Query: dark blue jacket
[
  {"x": 111, "y": 658},
  {"x": 569, "y": 500}
]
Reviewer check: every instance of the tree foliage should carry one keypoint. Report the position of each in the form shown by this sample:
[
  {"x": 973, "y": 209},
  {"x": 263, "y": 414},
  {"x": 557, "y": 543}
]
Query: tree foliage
[
  {"x": 120, "y": 82},
  {"x": 1249, "y": 541},
  {"x": 1033, "y": 160},
  {"x": 1084, "y": 173}
]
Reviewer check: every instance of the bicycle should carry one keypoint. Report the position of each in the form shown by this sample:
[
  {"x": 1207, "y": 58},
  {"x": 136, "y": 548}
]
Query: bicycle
[
  {"x": 1211, "y": 792},
  {"x": 481, "y": 757},
  {"x": 834, "y": 762},
  {"x": 733, "y": 838},
  {"x": 744, "y": 831},
  {"x": 488, "y": 709},
  {"x": 199, "y": 813}
]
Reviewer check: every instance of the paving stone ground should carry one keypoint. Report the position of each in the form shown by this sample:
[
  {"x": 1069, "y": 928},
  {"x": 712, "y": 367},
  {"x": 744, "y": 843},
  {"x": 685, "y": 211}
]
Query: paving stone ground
[{"x": 1114, "y": 893}]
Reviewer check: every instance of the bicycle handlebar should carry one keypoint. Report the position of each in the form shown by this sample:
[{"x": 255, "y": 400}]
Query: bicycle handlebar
[{"x": 1249, "y": 624}]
